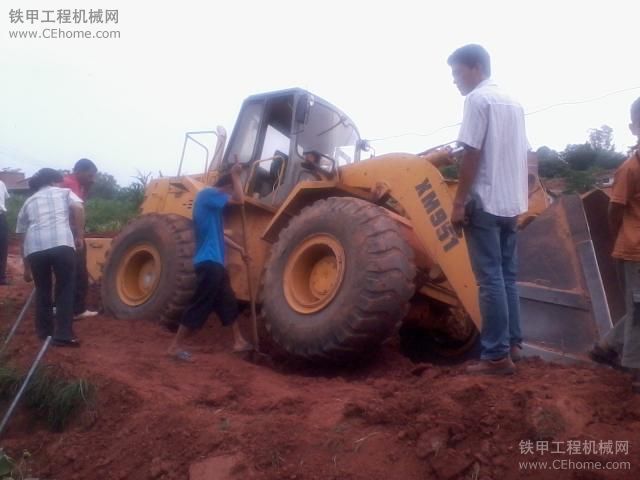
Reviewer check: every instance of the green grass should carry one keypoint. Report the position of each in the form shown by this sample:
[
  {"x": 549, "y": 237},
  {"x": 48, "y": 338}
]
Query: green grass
[
  {"x": 10, "y": 469},
  {"x": 9, "y": 381},
  {"x": 50, "y": 394}
]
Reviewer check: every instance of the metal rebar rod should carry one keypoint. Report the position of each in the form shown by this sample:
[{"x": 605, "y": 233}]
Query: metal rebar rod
[
  {"x": 23, "y": 387},
  {"x": 19, "y": 319}
]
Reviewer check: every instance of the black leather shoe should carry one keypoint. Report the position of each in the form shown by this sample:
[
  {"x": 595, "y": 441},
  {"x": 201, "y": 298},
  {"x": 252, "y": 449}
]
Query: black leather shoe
[
  {"x": 635, "y": 382},
  {"x": 74, "y": 342},
  {"x": 502, "y": 366},
  {"x": 605, "y": 356},
  {"x": 515, "y": 353}
]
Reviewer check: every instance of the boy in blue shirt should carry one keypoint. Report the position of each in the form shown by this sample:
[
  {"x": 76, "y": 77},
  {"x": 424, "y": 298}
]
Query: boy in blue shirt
[{"x": 213, "y": 291}]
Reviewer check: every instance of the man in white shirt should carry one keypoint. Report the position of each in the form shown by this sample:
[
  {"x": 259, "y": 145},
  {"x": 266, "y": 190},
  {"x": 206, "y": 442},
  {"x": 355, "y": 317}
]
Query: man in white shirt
[
  {"x": 52, "y": 222},
  {"x": 4, "y": 233},
  {"x": 492, "y": 192}
]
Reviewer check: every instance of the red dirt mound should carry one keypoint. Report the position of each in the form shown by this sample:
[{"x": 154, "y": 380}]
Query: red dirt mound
[{"x": 226, "y": 416}]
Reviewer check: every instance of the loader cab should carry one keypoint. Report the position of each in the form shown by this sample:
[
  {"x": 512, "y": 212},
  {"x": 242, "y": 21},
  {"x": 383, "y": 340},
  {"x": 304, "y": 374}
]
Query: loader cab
[{"x": 286, "y": 137}]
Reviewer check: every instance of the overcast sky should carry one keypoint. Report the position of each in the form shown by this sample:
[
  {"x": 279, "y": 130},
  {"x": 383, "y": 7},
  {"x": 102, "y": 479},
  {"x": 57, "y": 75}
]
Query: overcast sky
[{"x": 182, "y": 66}]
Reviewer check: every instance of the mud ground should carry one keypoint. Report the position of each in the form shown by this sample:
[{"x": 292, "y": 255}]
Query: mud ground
[{"x": 226, "y": 416}]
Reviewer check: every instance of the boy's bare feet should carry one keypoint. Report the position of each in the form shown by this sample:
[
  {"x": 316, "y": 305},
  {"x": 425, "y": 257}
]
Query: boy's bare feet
[
  {"x": 242, "y": 346},
  {"x": 239, "y": 342},
  {"x": 180, "y": 355}
]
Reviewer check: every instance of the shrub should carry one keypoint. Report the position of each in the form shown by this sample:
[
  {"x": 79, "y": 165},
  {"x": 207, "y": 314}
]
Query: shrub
[
  {"x": 580, "y": 157},
  {"x": 105, "y": 215},
  {"x": 102, "y": 215},
  {"x": 580, "y": 181},
  {"x": 14, "y": 204}
]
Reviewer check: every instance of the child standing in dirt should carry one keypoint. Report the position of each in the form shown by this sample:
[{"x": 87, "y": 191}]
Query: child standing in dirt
[
  {"x": 213, "y": 291},
  {"x": 624, "y": 220}
]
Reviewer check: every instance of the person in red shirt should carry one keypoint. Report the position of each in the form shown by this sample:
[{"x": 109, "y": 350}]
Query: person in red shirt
[{"x": 79, "y": 182}]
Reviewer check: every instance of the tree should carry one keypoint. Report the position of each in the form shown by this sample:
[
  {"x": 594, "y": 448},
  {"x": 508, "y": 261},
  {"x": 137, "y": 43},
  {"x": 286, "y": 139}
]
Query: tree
[
  {"x": 142, "y": 178},
  {"x": 105, "y": 186},
  {"x": 609, "y": 159},
  {"x": 135, "y": 191},
  {"x": 599, "y": 151},
  {"x": 580, "y": 157},
  {"x": 550, "y": 164},
  {"x": 602, "y": 138}
]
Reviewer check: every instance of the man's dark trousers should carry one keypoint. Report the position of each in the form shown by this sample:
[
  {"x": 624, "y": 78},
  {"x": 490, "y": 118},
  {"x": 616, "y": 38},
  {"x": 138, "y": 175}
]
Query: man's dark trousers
[
  {"x": 492, "y": 248},
  {"x": 58, "y": 262},
  {"x": 81, "y": 281}
]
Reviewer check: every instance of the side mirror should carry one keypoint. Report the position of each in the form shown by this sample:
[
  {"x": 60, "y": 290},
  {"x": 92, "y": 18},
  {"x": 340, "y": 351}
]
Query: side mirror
[
  {"x": 303, "y": 105},
  {"x": 363, "y": 145}
]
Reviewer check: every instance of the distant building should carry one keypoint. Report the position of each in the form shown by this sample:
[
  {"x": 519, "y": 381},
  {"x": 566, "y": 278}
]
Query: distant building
[
  {"x": 605, "y": 179},
  {"x": 15, "y": 181},
  {"x": 554, "y": 186}
]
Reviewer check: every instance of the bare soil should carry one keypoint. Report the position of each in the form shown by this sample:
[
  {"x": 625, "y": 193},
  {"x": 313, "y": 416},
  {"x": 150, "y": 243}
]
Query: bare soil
[{"x": 226, "y": 416}]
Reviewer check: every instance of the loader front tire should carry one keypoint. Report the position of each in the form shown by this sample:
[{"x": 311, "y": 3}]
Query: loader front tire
[
  {"x": 149, "y": 273},
  {"x": 338, "y": 281}
]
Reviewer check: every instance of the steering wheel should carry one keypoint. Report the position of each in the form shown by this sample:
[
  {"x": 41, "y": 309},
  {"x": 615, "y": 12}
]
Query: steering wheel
[{"x": 316, "y": 169}]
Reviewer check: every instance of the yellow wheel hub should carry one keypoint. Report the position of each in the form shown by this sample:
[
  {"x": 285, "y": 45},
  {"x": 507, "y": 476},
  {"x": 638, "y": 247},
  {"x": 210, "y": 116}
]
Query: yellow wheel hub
[
  {"x": 138, "y": 274},
  {"x": 313, "y": 273}
]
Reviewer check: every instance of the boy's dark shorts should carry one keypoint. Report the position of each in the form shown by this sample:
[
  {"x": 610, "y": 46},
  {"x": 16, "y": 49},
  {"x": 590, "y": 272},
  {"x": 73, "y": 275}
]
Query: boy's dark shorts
[{"x": 213, "y": 293}]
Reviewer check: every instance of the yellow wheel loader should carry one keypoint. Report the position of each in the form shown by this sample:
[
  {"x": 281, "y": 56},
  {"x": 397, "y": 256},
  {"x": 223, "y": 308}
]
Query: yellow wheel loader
[{"x": 345, "y": 250}]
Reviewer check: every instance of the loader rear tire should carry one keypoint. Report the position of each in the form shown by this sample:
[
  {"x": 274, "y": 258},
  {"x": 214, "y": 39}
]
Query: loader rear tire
[
  {"x": 149, "y": 273},
  {"x": 338, "y": 281}
]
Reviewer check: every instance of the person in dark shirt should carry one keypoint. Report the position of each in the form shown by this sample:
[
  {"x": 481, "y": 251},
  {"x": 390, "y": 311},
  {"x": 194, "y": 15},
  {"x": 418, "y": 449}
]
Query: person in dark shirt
[{"x": 213, "y": 291}]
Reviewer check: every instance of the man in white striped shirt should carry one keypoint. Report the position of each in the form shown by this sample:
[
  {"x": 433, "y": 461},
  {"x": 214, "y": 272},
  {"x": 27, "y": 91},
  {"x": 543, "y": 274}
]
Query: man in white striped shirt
[
  {"x": 492, "y": 192},
  {"x": 4, "y": 233},
  {"x": 48, "y": 252}
]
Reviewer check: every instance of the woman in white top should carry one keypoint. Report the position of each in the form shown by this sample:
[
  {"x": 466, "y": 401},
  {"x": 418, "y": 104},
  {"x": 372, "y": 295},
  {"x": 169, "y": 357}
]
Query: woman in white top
[
  {"x": 4, "y": 234},
  {"x": 52, "y": 221}
]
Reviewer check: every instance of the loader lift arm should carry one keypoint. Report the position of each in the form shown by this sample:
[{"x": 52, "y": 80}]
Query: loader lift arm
[{"x": 419, "y": 188}]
